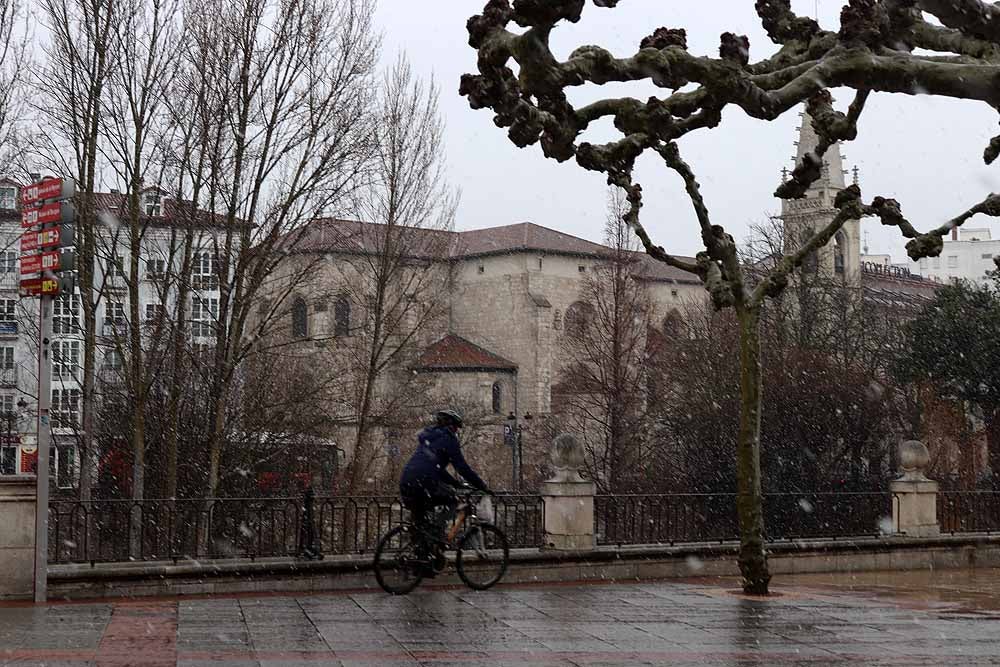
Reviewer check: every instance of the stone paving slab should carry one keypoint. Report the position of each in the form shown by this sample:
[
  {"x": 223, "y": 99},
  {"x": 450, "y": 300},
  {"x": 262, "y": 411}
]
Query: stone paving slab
[{"x": 889, "y": 619}]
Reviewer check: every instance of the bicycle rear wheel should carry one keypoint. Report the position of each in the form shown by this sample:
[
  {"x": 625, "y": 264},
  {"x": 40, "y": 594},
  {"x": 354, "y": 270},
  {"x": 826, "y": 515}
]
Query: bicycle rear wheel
[
  {"x": 482, "y": 556},
  {"x": 396, "y": 564}
]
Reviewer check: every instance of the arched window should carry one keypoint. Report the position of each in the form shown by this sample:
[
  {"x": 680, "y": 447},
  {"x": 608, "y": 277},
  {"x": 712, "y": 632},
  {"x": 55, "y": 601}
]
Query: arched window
[
  {"x": 342, "y": 316},
  {"x": 578, "y": 318},
  {"x": 300, "y": 318},
  {"x": 839, "y": 247},
  {"x": 497, "y": 398},
  {"x": 673, "y": 324}
]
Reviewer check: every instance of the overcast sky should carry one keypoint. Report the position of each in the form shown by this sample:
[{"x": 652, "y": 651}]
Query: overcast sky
[{"x": 925, "y": 152}]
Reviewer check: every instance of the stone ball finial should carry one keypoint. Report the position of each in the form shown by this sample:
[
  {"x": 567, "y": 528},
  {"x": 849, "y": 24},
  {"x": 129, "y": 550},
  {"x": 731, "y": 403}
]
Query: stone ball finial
[
  {"x": 567, "y": 458},
  {"x": 913, "y": 459}
]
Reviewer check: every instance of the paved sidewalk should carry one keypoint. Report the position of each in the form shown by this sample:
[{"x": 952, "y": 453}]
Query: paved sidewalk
[{"x": 879, "y": 619}]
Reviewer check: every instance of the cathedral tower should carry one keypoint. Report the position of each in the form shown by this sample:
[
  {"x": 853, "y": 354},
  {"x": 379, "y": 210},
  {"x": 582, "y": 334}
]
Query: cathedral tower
[{"x": 840, "y": 258}]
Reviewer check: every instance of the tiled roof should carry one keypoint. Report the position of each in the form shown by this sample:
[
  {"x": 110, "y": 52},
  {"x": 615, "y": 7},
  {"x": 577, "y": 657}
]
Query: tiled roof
[
  {"x": 333, "y": 235},
  {"x": 454, "y": 353}
]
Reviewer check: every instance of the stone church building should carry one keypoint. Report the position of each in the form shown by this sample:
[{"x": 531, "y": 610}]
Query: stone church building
[{"x": 490, "y": 328}]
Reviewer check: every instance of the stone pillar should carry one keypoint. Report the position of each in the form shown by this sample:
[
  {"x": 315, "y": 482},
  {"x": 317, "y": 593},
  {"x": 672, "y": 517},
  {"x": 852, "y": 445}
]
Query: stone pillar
[
  {"x": 568, "y": 499},
  {"x": 914, "y": 502},
  {"x": 17, "y": 536}
]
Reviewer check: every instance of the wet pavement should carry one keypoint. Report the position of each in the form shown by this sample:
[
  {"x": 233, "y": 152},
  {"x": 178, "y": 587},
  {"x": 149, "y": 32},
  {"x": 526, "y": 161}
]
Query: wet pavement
[{"x": 919, "y": 618}]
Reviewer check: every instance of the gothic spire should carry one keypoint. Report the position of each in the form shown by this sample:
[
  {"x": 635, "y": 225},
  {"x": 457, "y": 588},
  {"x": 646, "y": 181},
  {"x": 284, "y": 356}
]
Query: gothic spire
[{"x": 833, "y": 170}]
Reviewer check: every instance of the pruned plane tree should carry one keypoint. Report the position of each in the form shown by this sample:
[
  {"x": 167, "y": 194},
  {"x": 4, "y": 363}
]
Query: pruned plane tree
[{"x": 945, "y": 48}]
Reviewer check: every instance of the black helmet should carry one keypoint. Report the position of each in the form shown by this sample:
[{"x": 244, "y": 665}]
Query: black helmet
[{"x": 449, "y": 418}]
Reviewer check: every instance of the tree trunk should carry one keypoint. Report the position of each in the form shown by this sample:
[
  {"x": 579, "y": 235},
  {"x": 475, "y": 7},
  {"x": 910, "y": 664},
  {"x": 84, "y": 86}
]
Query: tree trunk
[{"x": 749, "y": 501}]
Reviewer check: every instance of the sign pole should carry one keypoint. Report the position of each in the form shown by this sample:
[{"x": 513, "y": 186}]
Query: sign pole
[{"x": 44, "y": 443}]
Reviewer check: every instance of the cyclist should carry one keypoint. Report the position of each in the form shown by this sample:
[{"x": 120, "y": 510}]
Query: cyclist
[{"x": 426, "y": 483}]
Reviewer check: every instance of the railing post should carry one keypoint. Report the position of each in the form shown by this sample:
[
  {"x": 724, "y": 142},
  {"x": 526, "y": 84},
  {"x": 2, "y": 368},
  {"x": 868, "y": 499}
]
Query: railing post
[
  {"x": 915, "y": 511},
  {"x": 307, "y": 531},
  {"x": 568, "y": 499},
  {"x": 17, "y": 536}
]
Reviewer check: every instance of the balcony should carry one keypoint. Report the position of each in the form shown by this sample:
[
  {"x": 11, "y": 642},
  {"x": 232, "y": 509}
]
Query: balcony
[{"x": 8, "y": 376}]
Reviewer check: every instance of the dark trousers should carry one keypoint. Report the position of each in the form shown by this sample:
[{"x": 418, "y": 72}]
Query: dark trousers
[{"x": 420, "y": 498}]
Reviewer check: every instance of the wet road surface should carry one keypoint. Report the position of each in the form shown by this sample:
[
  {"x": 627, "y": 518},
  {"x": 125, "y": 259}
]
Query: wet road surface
[{"x": 917, "y": 618}]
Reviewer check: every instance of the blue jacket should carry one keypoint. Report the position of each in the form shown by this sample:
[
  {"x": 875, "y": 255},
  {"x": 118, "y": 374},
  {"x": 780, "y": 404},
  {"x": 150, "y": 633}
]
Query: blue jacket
[{"x": 436, "y": 448}]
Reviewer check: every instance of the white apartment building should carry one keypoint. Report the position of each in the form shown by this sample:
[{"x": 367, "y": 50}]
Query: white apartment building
[
  {"x": 968, "y": 255},
  {"x": 19, "y": 322}
]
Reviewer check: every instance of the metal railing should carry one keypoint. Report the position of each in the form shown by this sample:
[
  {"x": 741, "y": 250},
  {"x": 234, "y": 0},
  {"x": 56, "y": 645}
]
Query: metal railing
[
  {"x": 968, "y": 511},
  {"x": 712, "y": 517},
  {"x": 152, "y": 530}
]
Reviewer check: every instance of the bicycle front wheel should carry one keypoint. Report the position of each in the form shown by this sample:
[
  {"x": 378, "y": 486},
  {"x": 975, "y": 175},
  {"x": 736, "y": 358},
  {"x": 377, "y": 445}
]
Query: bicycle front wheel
[
  {"x": 396, "y": 565},
  {"x": 482, "y": 556}
]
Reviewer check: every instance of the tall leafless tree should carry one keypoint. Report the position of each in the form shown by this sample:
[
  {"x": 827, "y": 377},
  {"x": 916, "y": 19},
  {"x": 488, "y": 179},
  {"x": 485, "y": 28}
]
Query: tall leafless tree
[
  {"x": 13, "y": 60},
  {"x": 880, "y": 47},
  {"x": 605, "y": 374},
  {"x": 403, "y": 273},
  {"x": 73, "y": 74}
]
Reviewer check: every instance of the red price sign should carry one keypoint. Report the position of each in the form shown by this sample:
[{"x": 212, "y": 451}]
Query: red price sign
[
  {"x": 52, "y": 188},
  {"x": 47, "y": 214},
  {"x": 47, "y": 238},
  {"x": 40, "y": 287},
  {"x": 47, "y": 261}
]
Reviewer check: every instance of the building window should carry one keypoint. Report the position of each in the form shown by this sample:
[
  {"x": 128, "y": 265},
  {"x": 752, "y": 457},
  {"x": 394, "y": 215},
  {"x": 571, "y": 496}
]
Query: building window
[
  {"x": 539, "y": 263},
  {"x": 987, "y": 255},
  {"x": 936, "y": 263},
  {"x": 8, "y": 372},
  {"x": 113, "y": 361},
  {"x": 115, "y": 272},
  {"x": 342, "y": 317},
  {"x": 839, "y": 244},
  {"x": 8, "y": 266},
  {"x": 65, "y": 407},
  {"x": 581, "y": 268},
  {"x": 156, "y": 269},
  {"x": 8, "y": 197},
  {"x": 578, "y": 318},
  {"x": 673, "y": 325},
  {"x": 8, "y": 316},
  {"x": 114, "y": 318},
  {"x": 952, "y": 261},
  {"x": 65, "y": 359},
  {"x": 300, "y": 318},
  {"x": 65, "y": 314},
  {"x": 154, "y": 312},
  {"x": 482, "y": 269},
  {"x": 497, "y": 398},
  {"x": 673, "y": 293},
  {"x": 923, "y": 263},
  {"x": 205, "y": 271},
  {"x": 557, "y": 320},
  {"x": 65, "y": 464},
  {"x": 204, "y": 315},
  {"x": 151, "y": 203}
]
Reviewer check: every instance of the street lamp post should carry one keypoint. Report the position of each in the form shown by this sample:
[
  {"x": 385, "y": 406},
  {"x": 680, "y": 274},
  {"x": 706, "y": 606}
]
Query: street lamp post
[{"x": 517, "y": 451}]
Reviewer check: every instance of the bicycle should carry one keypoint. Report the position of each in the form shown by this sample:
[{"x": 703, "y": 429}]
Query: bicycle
[{"x": 481, "y": 552}]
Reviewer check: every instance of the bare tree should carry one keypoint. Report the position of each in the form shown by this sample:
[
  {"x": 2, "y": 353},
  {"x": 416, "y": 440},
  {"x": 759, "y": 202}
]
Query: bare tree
[
  {"x": 879, "y": 47},
  {"x": 145, "y": 42},
  {"x": 403, "y": 271},
  {"x": 605, "y": 375},
  {"x": 13, "y": 58},
  {"x": 292, "y": 80},
  {"x": 75, "y": 72}
]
